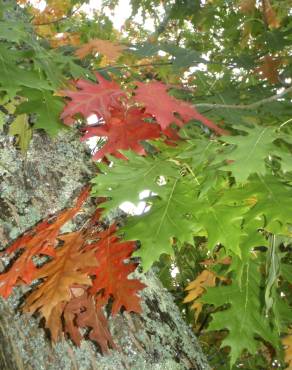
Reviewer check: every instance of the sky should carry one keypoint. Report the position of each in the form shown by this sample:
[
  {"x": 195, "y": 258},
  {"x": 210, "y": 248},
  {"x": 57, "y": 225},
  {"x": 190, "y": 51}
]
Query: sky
[{"x": 121, "y": 12}]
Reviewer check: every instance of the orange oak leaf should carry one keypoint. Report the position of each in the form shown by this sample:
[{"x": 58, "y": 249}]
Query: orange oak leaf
[
  {"x": 125, "y": 130},
  {"x": 84, "y": 312},
  {"x": 160, "y": 104},
  {"x": 110, "y": 49},
  {"x": 197, "y": 287},
  {"x": 111, "y": 274},
  {"x": 69, "y": 267},
  {"x": 91, "y": 98},
  {"x": 41, "y": 240}
]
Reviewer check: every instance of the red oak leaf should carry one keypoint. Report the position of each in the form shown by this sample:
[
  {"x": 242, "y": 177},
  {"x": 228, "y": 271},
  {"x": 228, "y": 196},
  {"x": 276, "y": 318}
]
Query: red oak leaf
[
  {"x": 157, "y": 102},
  {"x": 125, "y": 129},
  {"x": 91, "y": 98},
  {"x": 111, "y": 275}
]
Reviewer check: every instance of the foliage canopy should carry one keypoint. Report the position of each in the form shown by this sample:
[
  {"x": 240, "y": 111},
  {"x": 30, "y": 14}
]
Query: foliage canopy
[{"x": 196, "y": 114}]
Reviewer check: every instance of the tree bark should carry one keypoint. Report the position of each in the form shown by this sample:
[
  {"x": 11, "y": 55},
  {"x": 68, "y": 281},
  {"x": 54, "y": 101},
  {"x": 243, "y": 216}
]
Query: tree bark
[{"x": 31, "y": 188}]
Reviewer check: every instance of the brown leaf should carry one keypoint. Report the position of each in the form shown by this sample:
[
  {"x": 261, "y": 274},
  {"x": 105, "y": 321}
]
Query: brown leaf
[
  {"x": 287, "y": 343},
  {"x": 247, "y": 6},
  {"x": 110, "y": 49},
  {"x": 269, "y": 68},
  {"x": 84, "y": 312},
  {"x": 270, "y": 15}
]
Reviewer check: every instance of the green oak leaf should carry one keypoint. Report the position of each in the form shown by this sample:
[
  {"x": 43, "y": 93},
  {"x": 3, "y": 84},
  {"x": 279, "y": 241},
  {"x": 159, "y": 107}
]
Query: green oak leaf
[
  {"x": 14, "y": 31},
  {"x": 273, "y": 201},
  {"x": 286, "y": 272},
  {"x": 199, "y": 151},
  {"x": 222, "y": 224},
  {"x": 14, "y": 76},
  {"x": 251, "y": 237},
  {"x": 127, "y": 179},
  {"x": 169, "y": 217},
  {"x": 249, "y": 152},
  {"x": 243, "y": 318},
  {"x": 46, "y": 106},
  {"x": 285, "y": 159}
]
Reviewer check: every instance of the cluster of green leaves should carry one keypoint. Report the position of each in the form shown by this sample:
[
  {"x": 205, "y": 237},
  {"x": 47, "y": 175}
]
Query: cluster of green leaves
[
  {"x": 33, "y": 72},
  {"x": 234, "y": 191}
]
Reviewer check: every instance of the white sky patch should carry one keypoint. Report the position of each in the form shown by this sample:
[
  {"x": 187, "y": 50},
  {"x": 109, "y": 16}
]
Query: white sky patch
[
  {"x": 119, "y": 14},
  {"x": 133, "y": 210},
  {"x": 38, "y": 4},
  {"x": 92, "y": 119},
  {"x": 174, "y": 271},
  {"x": 140, "y": 208}
]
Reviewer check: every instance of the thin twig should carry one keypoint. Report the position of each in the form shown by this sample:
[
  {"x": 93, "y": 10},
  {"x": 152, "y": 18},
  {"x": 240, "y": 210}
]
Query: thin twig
[{"x": 246, "y": 106}]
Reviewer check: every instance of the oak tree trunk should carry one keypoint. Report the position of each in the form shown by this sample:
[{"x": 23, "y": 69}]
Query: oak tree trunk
[{"x": 44, "y": 181}]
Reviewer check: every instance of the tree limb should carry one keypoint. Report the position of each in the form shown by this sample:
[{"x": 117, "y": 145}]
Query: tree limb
[{"x": 245, "y": 106}]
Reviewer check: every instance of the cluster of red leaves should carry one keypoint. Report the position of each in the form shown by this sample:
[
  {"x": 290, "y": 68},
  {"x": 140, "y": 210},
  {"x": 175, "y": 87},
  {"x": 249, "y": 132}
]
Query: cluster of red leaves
[
  {"x": 121, "y": 121},
  {"x": 86, "y": 268}
]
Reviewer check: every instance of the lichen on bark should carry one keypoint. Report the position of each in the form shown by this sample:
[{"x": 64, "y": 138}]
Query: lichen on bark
[{"x": 41, "y": 183}]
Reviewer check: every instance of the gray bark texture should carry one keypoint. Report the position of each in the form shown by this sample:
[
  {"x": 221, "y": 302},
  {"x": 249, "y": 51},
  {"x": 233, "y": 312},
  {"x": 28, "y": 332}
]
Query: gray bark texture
[{"x": 45, "y": 181}]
